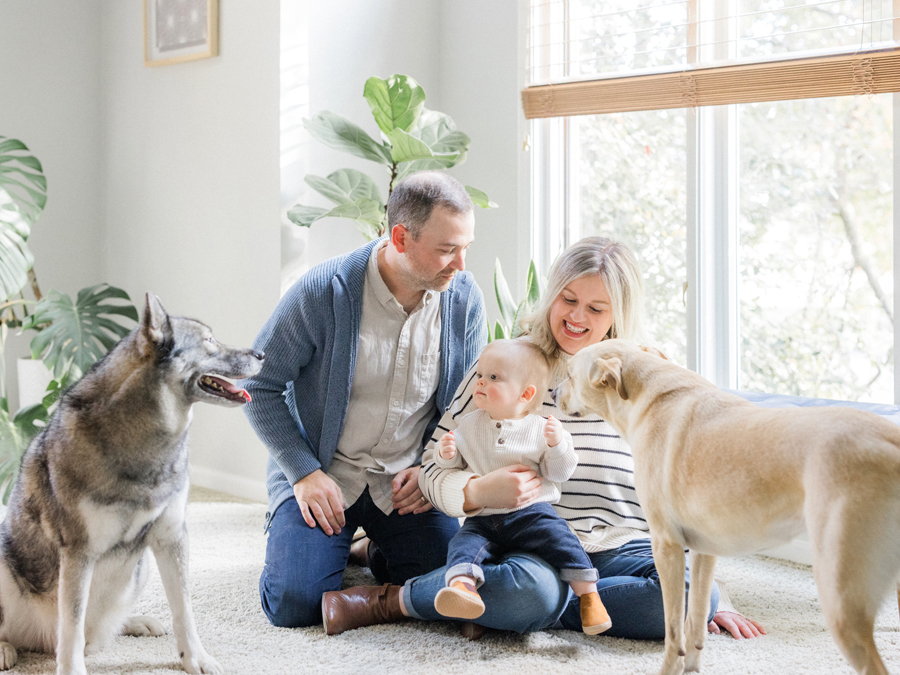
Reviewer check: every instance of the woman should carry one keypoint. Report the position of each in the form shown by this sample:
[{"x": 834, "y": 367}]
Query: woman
[{"x": 594, "y": 293}]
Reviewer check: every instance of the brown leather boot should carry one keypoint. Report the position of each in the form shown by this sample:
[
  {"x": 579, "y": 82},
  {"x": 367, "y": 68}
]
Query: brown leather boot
[{"x": 360, "y": 606}]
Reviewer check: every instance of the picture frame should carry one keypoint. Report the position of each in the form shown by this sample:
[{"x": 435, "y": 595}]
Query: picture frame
[{"x": 176, "y": 31}]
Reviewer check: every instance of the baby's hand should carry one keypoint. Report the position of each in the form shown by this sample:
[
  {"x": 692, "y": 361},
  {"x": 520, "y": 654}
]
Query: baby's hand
[
  {"x": 553, "y": 431},
  {"x": 447, "y": 446}
]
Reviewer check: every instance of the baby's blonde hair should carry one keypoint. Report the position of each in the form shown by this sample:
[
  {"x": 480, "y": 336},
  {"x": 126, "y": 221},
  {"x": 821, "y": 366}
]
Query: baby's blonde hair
[{"x": 530, "y": 366}]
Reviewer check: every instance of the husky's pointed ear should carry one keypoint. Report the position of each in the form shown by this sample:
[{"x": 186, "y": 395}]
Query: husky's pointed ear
[
  {"x": 608, "y": 373},
  {"x": 155, "y": 326}
]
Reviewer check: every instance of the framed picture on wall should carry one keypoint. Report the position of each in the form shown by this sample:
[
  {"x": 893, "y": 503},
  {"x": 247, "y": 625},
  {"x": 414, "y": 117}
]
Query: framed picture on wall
[{"x": 180, "y": 30}]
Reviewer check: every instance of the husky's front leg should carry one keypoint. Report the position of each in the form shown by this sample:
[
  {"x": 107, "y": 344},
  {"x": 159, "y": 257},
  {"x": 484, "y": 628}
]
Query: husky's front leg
[
  {"x": 669, "y": 559},
  {"x": 75, "y": 572},
  {"x": 172, "y": 560}
]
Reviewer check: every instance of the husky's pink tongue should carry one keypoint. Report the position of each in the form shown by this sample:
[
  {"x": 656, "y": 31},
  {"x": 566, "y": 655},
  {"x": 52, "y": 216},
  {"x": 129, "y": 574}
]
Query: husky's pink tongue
[{"x": 230, "y": 388}]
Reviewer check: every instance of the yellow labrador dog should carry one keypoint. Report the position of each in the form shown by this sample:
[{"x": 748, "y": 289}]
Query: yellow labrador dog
[{"x": 834, "y": 470}]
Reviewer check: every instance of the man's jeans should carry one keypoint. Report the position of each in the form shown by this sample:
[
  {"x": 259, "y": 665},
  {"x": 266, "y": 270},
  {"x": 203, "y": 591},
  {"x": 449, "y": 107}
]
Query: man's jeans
[
  {"x": 522, "y": 593},
  {"x": 302, "y": 562}
]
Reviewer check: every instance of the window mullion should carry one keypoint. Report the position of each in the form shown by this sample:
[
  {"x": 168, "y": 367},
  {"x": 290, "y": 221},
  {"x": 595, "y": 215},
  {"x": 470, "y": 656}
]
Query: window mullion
[{"x": 896, "y": 228}]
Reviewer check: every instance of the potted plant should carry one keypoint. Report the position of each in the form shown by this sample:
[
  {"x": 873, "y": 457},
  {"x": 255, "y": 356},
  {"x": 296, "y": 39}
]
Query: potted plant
[
  {"x": 413, "y": 138},
  {"x": 70, "y": 335}
]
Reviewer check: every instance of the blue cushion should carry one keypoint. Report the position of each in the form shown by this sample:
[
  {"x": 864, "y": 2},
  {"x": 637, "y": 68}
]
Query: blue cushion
[{"x": 887, "y": 410}]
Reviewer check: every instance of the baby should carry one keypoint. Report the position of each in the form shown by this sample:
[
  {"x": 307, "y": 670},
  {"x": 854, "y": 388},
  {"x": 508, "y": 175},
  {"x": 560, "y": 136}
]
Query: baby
[{"x": 512, "y": 378}]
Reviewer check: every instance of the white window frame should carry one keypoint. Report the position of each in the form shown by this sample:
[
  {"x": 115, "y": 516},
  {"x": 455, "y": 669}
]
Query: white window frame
[{"x": 712, "y": 223}]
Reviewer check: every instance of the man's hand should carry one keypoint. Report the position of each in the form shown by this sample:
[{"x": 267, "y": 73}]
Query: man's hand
[
  {"x": 506, "y": 488},
  {"x": 320, "y": 500},
  {"x": 447, "y": 446},
  {"x": 553, "y": 431},
  {"x": 406, "y": 495}
]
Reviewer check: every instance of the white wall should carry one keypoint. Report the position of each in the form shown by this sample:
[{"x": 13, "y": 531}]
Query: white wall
[
  {"x": 349, "y": 42},
  {"x": 465, "y": 55},
  {"x": 50, "y": 100},
  {"x": 192, "y": 197},
  {"x": 167, "y": 179},
  {"x": 480, "y": 91}
]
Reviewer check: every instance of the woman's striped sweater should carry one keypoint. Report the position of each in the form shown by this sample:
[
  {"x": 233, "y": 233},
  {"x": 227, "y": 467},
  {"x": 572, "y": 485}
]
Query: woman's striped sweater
[{"x": 599, "y": 501}]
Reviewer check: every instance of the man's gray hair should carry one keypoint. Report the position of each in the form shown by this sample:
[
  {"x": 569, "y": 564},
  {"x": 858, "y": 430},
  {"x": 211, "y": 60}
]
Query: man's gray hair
[{"x": 415, "y": 197}]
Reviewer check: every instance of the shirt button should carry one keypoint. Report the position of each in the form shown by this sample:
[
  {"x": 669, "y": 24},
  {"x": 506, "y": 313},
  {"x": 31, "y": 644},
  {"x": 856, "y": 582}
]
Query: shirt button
[
  {"x": 500, "y": 442},
  {"x": 499, "y": 425},
  {"x": 396, "y": 404},
  {"x": 400, "y": 361}
]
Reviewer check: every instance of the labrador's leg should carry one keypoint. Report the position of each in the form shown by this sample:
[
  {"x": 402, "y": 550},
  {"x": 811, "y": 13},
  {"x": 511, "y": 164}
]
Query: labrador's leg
[
  {"x": 172, "y": 560},
  {"x": 855, "y": 568},
  {"x": 669, "y": 559},
  {"x": 703, "y": 568},
  {"x": 75, "y": 572}
]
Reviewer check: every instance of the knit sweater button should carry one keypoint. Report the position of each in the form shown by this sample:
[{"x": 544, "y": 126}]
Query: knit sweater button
[
  {"x": 499, "y": 425},
  {"x": 500, "y": 441}
]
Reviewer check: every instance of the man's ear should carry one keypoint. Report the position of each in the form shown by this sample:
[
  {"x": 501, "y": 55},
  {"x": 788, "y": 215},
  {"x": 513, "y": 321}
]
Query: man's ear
[
  {"x": 399, "y": 235},
  {"x": 608, "y": 373},
  {"x": 155, "y": 325},
  {"x": 529, "y": 393}
]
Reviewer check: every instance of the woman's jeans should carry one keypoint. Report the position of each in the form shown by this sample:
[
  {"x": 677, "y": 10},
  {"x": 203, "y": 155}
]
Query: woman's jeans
[{"x": 522, "y": 593}]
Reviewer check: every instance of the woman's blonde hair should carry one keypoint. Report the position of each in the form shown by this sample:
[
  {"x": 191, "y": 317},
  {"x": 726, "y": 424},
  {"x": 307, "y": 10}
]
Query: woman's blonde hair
[{"x": 618, "y": 268}]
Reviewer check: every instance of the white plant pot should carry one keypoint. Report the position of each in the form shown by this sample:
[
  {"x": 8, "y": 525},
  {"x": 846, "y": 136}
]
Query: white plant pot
[{"x": 33, "y": 380}]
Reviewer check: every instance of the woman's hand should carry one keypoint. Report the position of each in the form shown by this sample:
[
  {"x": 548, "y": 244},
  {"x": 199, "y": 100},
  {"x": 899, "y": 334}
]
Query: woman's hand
[
  {"x": 737, "y": 624},
  {"x": 506, "y": 488}
]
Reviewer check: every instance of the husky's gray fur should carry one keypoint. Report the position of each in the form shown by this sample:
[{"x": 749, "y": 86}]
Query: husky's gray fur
[{"x": 106, "y": 480}]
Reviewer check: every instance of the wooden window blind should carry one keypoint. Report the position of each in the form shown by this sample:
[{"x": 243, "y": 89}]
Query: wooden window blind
[{"x": 600, "y": 56}]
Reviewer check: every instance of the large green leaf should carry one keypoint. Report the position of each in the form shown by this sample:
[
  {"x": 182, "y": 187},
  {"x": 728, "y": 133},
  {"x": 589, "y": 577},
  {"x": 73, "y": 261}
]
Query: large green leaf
[
  {"x": 23, "y": 195},
  {"x": 344, "y": 186},
  {"x": 438, "y": 131},
  {"x": 22, "y": 176},
  {"x": 395, "y": 102},
  {"x": 340, "y": 133},
  {"x": 78, "y": 333},
  {"x": 405, "y": 147},
  {"x": 504, "y": 298},
  {"x": 368, "y": 213},
  {"x": 15, "y": 256},
  {"x": 304, "y": 216},
  {"x": 479, "y": 198}
]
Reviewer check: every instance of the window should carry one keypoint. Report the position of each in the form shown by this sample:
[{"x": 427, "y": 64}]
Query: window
[{"x": 765, "y": 225}]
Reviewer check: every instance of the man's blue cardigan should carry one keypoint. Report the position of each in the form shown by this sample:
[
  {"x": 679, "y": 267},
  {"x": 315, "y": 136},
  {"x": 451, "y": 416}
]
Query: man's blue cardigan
[{"x": 300, "y": 396}]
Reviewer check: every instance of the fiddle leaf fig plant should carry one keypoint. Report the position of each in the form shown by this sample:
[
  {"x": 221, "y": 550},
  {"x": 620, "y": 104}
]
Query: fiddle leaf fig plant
[{"x": 413, "y": 138}]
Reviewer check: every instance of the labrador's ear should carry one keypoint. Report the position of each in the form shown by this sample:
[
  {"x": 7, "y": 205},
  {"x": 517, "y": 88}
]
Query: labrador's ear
[
  {"x": 653, "y": 350},
  {"x": 608, "y": 373}
]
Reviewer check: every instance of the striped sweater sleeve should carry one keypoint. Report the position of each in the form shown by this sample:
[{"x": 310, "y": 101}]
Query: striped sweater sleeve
[{"x": 444, "y": 487}]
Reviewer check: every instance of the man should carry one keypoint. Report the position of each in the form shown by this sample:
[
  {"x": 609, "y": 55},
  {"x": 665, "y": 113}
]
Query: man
[{"x": 363, "y": 354}]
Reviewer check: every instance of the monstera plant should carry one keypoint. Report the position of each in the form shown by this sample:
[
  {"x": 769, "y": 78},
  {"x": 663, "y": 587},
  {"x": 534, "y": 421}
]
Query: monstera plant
[
  {"x": 413, "y": 138},
  {"x": 70, "y": 335}
]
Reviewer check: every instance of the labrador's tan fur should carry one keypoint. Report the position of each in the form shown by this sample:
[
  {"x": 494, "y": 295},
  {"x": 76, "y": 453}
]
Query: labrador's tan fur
[{"x": 721, "y": 476}]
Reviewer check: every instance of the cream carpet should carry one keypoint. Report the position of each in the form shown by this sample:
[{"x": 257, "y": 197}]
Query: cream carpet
[{"x": 227, "y": 552}]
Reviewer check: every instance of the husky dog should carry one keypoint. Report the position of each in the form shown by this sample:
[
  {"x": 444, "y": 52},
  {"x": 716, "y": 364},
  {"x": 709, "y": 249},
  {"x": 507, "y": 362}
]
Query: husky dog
[{"x": 106, "y": 480}]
